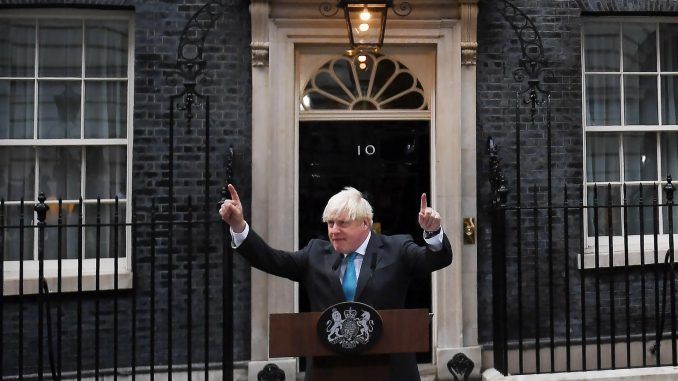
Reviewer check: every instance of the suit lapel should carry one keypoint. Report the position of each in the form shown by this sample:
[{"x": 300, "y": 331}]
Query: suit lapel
[
  {"x": 373, "y": 251},
  {"x": 335, "y": 283}
]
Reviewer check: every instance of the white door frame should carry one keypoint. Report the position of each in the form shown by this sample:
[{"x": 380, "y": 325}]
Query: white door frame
[{"x": 276, "y": 43}]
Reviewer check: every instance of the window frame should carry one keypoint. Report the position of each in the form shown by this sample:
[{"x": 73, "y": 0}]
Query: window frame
[
  {"x": 618, "y": 250},
  {"x": 69, "y": 267}
]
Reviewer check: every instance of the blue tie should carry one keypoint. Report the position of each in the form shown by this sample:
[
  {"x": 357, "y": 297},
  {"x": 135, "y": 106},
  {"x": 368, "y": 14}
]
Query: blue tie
[{"x": 350, "y": 279}]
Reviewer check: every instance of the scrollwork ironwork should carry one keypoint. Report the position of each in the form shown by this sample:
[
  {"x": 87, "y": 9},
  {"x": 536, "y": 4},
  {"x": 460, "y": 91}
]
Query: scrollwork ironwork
[
  {"x": 497, "y": 178},
  {"x": 271, "y": 372},
  {"x": 533, "y": 65},
  {"x": 669, "y": 188},
  {"x": 190, "y": 61},
  {"x": 328, "y": 9},
  {"x": 229, "y": 166},
  {"x": 460, "y": 366},
  {"x": 402, "y": 9},
  {"x": 41, "y": 208}
]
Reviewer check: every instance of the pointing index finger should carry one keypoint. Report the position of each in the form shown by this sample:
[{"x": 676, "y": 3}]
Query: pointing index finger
[
  {"x": 424, "y": 204},
  {"x": 233, "y": 192}
]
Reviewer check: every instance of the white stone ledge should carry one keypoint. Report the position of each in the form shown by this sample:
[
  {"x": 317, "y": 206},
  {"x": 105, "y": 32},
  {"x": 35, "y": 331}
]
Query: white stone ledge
[{"x": 667, "y": 373}]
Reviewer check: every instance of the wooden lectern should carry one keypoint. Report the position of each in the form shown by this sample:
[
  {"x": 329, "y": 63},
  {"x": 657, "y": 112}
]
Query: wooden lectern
[{"x": 295, "y": 335}]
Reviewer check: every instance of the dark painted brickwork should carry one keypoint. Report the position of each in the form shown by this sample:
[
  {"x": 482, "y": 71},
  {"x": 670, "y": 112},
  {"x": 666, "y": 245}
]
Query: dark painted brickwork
[
  {"x": 158, "y": 25},
  {"x": 559, "y": 24},
  {"x": 498, "y": 56}
]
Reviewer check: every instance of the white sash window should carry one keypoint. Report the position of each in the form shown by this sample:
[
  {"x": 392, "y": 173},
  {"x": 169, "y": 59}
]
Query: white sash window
[{"x": 65, "y": 130}]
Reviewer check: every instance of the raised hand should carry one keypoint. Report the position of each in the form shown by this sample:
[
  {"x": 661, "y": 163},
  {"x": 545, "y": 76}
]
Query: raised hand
[
  {"x": 429, "y": 219},
  {"x": 231, "y": 211}
]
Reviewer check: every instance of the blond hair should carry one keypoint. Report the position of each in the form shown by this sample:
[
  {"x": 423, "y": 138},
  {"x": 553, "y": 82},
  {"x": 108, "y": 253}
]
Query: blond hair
[{"x": 351, "y": 202}]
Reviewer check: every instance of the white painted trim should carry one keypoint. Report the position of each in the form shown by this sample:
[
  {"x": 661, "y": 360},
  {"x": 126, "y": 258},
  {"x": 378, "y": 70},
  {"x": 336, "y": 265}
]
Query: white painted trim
[
  {"x": 275, "y": 117},
  {"x": 69, "y": 278},
  {"x": 89, "y": 201},
  {"x": 52, "y": 13},
  {"x": 364, "y": 115},
  {"x": 576, "y": 354},
  {"x": 11, "y": 268},
  {"x": 668, "y": 373},
  {"x": 61, "y": 142},
  {"x": 587, "y": 259}
]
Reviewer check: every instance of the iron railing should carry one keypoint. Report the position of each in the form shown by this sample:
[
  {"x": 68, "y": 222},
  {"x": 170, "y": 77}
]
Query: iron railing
[
  {"x": 87, "y": 324},
  {"x": 573, "y": 286},
  {"x": 575, "y": 296},
  {"x": 140, "y": 286}
]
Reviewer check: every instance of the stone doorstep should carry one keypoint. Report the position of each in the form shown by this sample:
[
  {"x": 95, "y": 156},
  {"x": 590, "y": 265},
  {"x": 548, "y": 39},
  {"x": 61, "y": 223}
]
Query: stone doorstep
[{"x": 427, "y": 372}]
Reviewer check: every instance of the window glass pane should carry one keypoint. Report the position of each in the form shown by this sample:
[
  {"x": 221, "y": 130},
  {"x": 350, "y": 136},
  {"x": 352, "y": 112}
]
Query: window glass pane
[
  {"x": 669, "y": 153},
  {"x": 106, "y": 243},
  {"x": 105, "y": 109},
  {"x": 69, "y": 234},
  {"x": 364, "y": 75},
  {"x": 640, "y": 47},
  {"x": 602, "y": 157},
  {"x": 18, "y": 241},
  {"x": 316, "y": 101},
  {"x": 668, "y": 35},
  {"x": 640, "y": 156},
  {"x": 634, "y": 202},
  {"x": 669, "y": 99},
  {"x": 330, "y": 84},
  {"x": 603, "y": 100},
  {"x": 60, "y": 172},
  {"x": 16, "y": 109},
  {"x": 60, "y": 44},
  {"x": 601, "y": 47},
  {"x": 106, "y": 172},
  {"x": 58, "y": 109},
  {"x": 598, "y": 202},
  {"x": 17, "y": 173},
  {"x": 17, "y": 48},
  {"x": 344, "y": 71},
  {"x": 640, "y": 96},
  {"x": 106, "y": 48}
]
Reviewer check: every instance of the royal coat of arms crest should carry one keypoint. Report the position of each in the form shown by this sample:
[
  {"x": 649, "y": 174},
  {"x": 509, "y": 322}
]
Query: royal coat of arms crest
[{"x": 349, "y": 327}]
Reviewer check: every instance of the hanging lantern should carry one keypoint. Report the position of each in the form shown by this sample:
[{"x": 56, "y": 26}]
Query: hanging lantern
[{"x": 366, "y": 23}]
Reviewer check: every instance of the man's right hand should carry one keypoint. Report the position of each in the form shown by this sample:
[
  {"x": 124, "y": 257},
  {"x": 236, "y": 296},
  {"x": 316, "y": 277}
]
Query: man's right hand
[{"x": 231, "y": 211}]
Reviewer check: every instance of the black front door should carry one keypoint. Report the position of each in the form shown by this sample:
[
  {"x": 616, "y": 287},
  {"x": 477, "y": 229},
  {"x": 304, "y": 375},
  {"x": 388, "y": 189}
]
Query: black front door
[{"x": 388, "y": 161}]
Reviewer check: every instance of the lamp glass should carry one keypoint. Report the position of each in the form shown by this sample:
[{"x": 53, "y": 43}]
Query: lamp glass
[{"x": 366, "y": 31}]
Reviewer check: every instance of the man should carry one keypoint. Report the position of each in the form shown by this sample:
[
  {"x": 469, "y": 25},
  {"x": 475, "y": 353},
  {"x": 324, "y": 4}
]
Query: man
[{"x": 355, "y": 265}]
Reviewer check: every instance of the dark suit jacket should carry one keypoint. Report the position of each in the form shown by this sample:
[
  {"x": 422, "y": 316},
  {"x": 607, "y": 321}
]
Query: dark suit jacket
[{"x": 388, "y": 267}]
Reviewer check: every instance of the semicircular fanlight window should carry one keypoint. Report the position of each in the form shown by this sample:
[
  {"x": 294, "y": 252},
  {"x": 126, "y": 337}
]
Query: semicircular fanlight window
[{"x": 383, "y": 84}]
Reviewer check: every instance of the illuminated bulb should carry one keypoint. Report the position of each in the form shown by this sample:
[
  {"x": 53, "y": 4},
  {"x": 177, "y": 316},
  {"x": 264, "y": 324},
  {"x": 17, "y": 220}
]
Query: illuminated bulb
[
  {"x": 365, "y": 15},
  {"x": 363, "y": 66},
  {"x": 363, "y": 27},
  {"x": 362, "y": 58}
]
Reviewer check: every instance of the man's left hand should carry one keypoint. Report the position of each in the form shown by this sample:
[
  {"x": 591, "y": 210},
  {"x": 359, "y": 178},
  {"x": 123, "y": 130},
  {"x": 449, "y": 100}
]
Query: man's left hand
[{"x": 429, "y": 219}]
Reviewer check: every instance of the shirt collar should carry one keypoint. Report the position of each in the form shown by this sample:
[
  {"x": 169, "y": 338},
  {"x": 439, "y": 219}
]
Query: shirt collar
[{"x": 363, "y": 247}]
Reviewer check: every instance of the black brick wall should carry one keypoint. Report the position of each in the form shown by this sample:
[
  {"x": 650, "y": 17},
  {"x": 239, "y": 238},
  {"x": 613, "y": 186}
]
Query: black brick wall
[
  {"x": 498, "y": 56},
  {"x": 559, "y": 23},
  {"x": 158, "y": 25}
]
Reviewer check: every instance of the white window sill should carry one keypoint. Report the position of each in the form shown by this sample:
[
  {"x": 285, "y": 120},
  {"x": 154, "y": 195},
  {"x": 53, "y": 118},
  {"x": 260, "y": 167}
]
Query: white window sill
[
  {"x": 619, "y": 257},
  {"x": 69, "y": 281}
]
